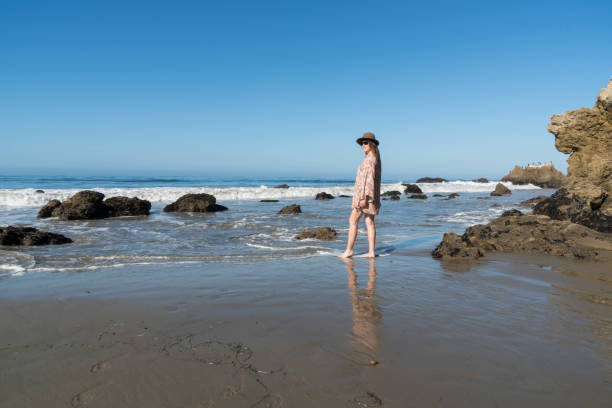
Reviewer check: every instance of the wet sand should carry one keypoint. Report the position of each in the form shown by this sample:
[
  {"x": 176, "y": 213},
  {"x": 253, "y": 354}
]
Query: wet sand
[{"x": 506, "y": 331}]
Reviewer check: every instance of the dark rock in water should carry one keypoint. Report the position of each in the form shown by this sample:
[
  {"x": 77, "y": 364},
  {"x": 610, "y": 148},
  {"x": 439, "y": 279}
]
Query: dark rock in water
[
  {"x": 500, "y": 190},
  {"x": 563, "y": 205},
  {"x": 512, "y": 213},
  {"x": 439, "y": 195},
  {"x": 412, "y": 189},
  {"x": 268, "y": 201},
  {"x": 481, "y": 180},
  {"x": 84, "y": 205},
  {"x": 195, "y": 203},
  {"x": 324, "y": 196},
  {"x": 282, "y": 186},
  {"x": 544, "y": 175},
  {"x": 530, "y": 234},
  {"x": 323, "y": 234},
  {"x": 533, "y": 201},
  {"x": 51, "y": 209},
  {"x": 418, "y": 196},
  {"x": 451, "y": 196},
  {"x": 394, "y": 198},
  {"x": 391, "y": 193},
  {"x": 27, "y": 236},
  {"x": 40, "y": 191},
  {"x": 291, "y": 209},
  {"x": 124, "y": 206},
  {"x": 483, "y": 198},
  {"x": 345, "y": 196},
  {"x": 496, "y": 205},
  {"x": 88, "y": 205},
  {"x": 431, "y": 180}
]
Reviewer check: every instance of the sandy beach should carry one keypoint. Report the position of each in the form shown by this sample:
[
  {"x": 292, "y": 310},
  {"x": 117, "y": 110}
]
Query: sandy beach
[{"x": 507, "y": 331}]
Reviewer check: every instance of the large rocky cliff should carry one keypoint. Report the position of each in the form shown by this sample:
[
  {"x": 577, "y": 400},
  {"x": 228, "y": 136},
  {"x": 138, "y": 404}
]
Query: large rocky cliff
[
  {"x": 585, "y": 134},
  {"x": 545, "y": 176}
]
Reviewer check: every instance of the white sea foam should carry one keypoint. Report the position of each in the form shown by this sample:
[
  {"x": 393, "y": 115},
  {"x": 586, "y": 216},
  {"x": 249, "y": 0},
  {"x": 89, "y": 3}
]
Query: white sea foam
[{"x": 28, "y": 197}]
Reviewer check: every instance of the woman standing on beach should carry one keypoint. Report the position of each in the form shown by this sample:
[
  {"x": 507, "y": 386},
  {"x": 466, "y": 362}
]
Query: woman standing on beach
[{"x": 366, "y": 196}]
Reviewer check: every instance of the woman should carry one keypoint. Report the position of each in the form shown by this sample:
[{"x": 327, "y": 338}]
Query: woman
[{"x": 366, "y": 196}]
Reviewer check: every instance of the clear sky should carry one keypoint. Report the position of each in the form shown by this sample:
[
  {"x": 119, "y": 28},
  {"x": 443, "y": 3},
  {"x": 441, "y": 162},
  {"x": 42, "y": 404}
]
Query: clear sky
[{"x": 283, "y": 88}]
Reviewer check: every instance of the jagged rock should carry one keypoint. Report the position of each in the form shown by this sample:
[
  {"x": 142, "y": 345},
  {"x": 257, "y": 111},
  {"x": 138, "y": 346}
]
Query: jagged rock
[
  {"x": 431, "y": 180},
  {"x": 291, "y": 209},
  {"x": 412, "y": 189},
  {"x": 512, "y": 213},
  {"x": 481, "y": 180},
  {"x": 124, "y": 206},
  {"x": 391, "y": 193},
  {"x": 323, "y": 234},
  {"x": 27, "y": 236},
  {"x": 500, "y": 190},
  {"x": 282, "y": 186},
  {"x": 585, "y": 134},
  {"x": 418, "y": 196},
  {"x": 51, "y": 209},
  {"x": 527, "y": 233},
  {"x": 451, "y": 196},
  {"x": 88, "y": 205},
  {"x": 324, "y": 196},
  {"x": 544, "y": 175},
  {"x": 195, "y": 203},
  {"x": 533, "y": 201},
  {"x": 563, "y": 205}
]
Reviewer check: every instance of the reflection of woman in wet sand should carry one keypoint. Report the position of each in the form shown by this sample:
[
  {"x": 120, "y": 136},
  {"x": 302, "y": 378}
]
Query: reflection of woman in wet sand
[
  {"x": 366, "y": 195},
  {"x": 366, "y": 313}
]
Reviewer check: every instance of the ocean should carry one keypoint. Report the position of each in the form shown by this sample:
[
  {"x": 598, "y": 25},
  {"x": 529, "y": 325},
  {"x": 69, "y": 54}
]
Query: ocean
[{"x": 250, "y": 231}]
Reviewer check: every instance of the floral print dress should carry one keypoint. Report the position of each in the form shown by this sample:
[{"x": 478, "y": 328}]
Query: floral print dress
[{"x": 367, "y": 185}]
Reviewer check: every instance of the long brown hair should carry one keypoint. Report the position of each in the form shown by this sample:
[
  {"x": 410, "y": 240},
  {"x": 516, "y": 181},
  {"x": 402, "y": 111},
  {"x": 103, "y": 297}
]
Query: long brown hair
[{"x": 374, "y": 150}]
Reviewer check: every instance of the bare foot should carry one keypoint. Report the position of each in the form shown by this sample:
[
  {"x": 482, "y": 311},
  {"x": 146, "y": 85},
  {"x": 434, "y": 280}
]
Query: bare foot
[
  {"x": 370, "y": 255},
  {"x": 346, "y": 254}
]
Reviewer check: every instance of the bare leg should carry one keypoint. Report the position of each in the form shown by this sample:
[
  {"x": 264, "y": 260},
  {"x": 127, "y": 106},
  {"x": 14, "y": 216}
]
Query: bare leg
[
  {"x": 352, "y": 234},
  {"x": 369, "y": 222}
]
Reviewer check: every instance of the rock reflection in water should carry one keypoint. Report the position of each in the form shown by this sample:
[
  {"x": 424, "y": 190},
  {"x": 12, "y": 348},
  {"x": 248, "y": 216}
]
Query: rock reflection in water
[{"x": 366, "y": 313}]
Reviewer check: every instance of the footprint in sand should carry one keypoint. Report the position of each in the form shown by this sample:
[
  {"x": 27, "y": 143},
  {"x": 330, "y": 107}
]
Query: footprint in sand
[{"x": 99, "y": 367}]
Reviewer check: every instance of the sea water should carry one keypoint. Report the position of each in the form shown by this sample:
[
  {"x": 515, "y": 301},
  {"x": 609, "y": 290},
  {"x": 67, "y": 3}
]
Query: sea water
[{"x": 249, "y": 231}]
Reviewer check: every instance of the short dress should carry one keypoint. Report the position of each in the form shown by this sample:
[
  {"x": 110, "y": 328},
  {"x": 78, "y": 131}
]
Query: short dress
[{"x": 367, "y": 184}]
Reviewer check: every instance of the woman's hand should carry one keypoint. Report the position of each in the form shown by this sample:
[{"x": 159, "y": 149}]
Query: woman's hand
[{"x": 363, "y": 203}]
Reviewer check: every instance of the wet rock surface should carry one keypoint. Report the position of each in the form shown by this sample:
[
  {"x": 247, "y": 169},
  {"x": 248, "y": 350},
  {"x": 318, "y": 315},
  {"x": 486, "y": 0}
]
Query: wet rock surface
[
  {"x": 322, "y": 234},
  {"x": 90, "y": 205},
  {"x": 533, "y": 201},
  {"x": 291, "y": 209},
  {"x": 481, "y": 180},
  {"x": 500, "y": 190},
  {"x": 282, "y": 186},
  {"x": 412, "y": 189},
  {"x": 417, "y": 197},
  {"x": 324, "y": 196},
  {"x": 28, "y": 236},
  {"x": 195, "y": 203},
  {"x": 545, "y": 176},
  {"x": 527, "y": 233}
]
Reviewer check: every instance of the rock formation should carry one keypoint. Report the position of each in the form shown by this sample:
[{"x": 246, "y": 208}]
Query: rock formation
[
  {"x": 27, "y": 236},
  {"x": 576, "y": 220},
  {"x": 291, "y": 209},
  {"x": 282, "y": 186},
  {"x": 481, "y": 180},
  {"x": 322, "y": 234},
  {"x": 418, "y": 196},
  {"x": 545, "y": 176},
  {"x": 585, "y": 134},
  {"x": 195, "y": 203},
  {"x": 500, "y": 190},
  {"x": 412, "y": 189},
  {"x": 88, "y": 205},
  {"x": 324, "y": 196},
  {"x": 526, "y": 233},
  {"x": 431, "y": 180}
]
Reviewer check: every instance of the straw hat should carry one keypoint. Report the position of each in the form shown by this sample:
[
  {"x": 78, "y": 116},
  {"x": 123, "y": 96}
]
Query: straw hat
[{"x": 367, "y": 136}]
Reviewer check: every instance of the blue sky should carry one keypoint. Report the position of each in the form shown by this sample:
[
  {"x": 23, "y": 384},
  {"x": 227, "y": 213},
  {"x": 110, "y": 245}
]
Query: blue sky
[{"x": 284, "y": 88}]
